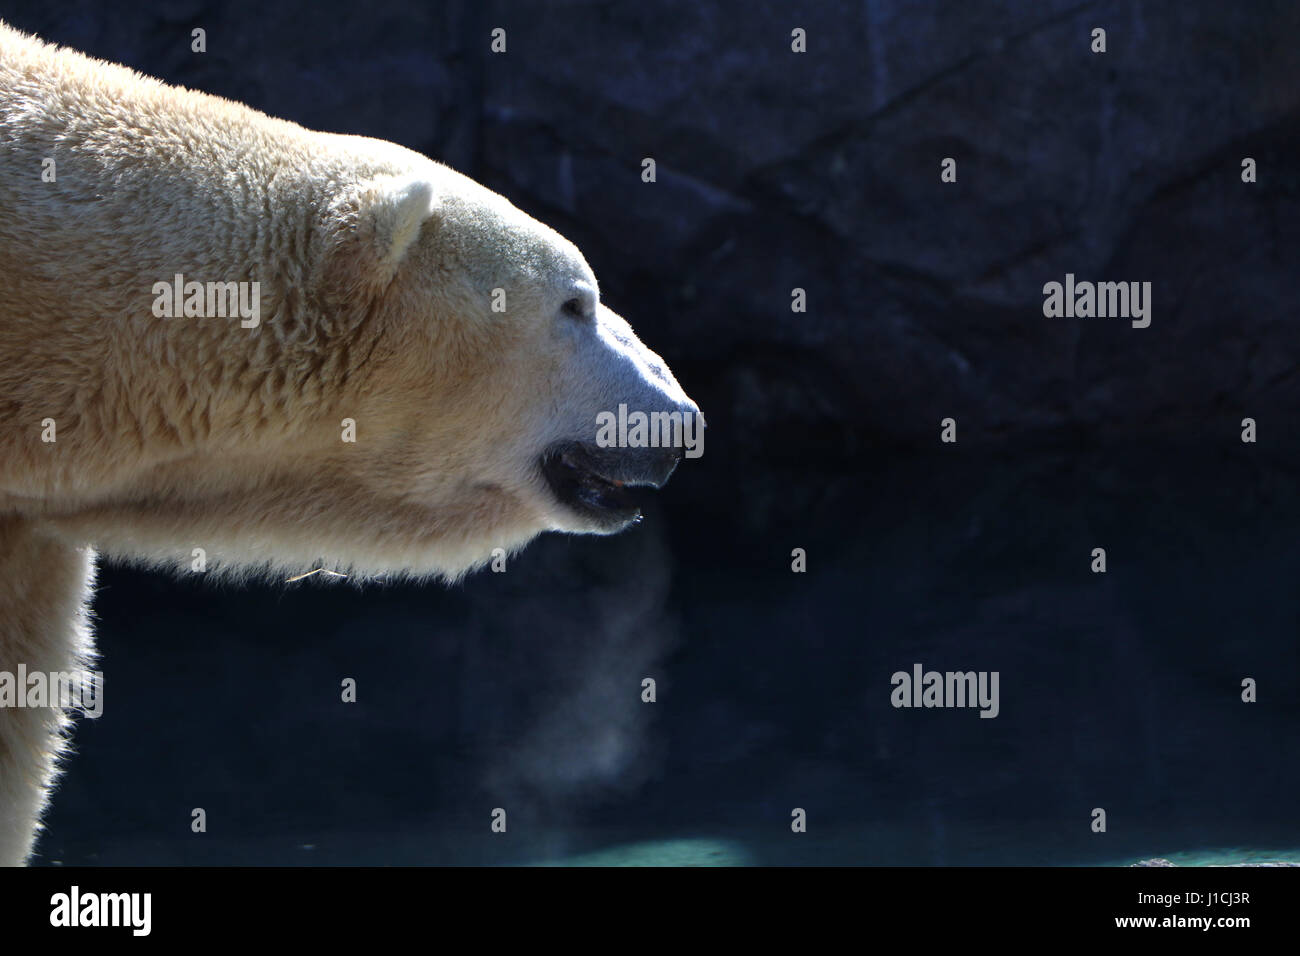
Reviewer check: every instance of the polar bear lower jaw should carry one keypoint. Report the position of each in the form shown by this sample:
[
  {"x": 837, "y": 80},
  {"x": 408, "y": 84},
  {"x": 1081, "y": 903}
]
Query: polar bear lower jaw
[{"x": 596, "y": 483}]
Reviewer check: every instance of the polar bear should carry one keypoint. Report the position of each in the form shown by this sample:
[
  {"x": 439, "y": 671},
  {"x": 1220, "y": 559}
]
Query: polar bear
[{"x": 401, "y": 371}]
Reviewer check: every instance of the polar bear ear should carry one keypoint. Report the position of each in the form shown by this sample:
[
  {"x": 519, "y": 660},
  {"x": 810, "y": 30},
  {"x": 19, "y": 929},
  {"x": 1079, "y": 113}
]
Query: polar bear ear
[{"x": 399, "y": 207}]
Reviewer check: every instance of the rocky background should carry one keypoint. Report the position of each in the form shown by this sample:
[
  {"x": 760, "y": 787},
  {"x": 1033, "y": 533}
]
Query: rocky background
[{"x": 775, "y": 171}]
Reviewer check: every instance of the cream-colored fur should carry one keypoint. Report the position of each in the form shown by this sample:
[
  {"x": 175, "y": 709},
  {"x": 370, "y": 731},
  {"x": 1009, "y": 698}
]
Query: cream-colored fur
[
  {"x": 376, "y": 268},
  {"x": 44, "y": 590}
]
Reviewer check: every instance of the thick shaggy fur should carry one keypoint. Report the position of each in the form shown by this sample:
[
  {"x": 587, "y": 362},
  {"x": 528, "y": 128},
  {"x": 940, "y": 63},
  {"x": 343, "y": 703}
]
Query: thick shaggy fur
[
  {"x": 377, "y": 271},
  {"x": 44, "y": 590}
]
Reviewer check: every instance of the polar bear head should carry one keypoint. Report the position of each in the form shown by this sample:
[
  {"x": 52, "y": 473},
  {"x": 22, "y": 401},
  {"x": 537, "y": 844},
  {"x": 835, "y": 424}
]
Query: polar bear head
[{"x": 527, "y": 404}]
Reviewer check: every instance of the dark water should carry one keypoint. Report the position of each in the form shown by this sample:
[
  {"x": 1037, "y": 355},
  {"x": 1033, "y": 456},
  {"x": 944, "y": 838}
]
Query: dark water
[{"x": 521, "y": 690}]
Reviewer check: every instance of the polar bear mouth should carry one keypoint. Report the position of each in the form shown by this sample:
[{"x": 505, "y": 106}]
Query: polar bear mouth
[{"x": 603, "y": 484}]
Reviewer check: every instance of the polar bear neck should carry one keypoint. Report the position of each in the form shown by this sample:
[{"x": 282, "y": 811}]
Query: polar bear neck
[{"x": 201, "y": 188}]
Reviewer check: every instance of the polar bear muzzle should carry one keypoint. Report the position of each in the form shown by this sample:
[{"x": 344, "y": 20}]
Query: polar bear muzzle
[{"x": 597, "y": 483}]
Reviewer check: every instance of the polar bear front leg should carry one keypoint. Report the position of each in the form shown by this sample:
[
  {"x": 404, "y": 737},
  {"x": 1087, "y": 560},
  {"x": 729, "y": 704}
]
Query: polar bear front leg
[{"x": 44, "y": 627}]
